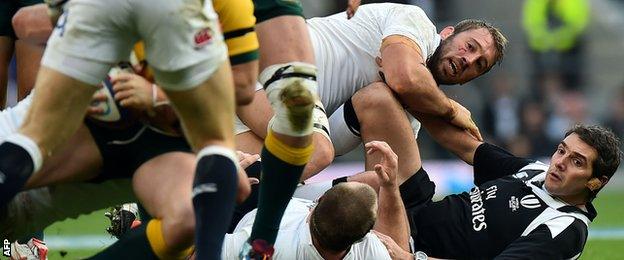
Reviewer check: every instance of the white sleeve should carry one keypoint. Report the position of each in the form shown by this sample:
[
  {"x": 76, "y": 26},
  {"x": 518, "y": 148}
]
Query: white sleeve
[
  {"x": 371, "y": 248},
  {"x": 413, "y": 23}
]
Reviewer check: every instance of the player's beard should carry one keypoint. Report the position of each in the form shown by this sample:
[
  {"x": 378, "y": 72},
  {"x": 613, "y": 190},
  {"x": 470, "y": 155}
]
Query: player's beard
[{"x": 434, "y": 62}]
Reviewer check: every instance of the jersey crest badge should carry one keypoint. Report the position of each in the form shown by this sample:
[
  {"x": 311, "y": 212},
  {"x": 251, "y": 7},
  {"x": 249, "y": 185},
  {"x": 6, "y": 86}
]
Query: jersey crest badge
[{"x": 203, "y": 37}]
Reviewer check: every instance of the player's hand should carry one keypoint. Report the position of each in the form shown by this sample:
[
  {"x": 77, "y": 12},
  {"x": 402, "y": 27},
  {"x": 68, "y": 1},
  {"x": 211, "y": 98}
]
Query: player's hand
[
  {"x": 394, "y": 250},
  {"x": 462, "y": 119},
  {"x": 93, "y": 108},
  {"x": 133, "y": 91},
  {"x": 245, "y": 160},
  {"x": 352, "y": 6},
  {"x": 388, "y": 167}
]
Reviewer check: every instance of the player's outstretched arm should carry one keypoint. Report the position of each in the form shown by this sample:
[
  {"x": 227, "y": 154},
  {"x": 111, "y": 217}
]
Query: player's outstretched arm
[
  {"x": 452, "y": 138},
  {"x": 391, "y": 215}
]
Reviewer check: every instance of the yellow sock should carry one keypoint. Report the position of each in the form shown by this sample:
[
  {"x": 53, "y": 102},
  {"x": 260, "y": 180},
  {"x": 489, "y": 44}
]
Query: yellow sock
[
  {"x": 157, "y": 242},
  {"x": 286, "y": 153}
]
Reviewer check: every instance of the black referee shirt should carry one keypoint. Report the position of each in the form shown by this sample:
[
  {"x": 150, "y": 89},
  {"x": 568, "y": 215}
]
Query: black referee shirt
[{"x": 507, "y": 215}]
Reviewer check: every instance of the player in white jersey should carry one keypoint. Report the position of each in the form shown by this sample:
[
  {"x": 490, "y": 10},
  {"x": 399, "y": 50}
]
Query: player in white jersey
[
  {"x": 396, "y": 44},
  {"x": 339, "y": 225},
  {"x": 185, "y": 47}
]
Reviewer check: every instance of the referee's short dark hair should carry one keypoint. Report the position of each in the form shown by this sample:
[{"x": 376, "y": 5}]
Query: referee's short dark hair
[
  {"x": 606, "y": 144},
  {"x": 344, "y": 215}
]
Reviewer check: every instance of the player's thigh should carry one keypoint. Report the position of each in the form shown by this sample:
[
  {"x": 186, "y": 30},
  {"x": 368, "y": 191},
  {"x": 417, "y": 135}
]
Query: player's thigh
[
  {"x": 58, "y": 106},
  {"x": 257, "y": 114},
  {"x": 207, "y": 111},
  {"x": 6, "y": 52},
  {"x": 164, "y": 183},
  {"x": 28, "y": 56}
]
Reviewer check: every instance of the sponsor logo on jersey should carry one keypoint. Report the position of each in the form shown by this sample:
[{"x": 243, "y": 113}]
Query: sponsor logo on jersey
[
  {"x": 203, "y": 37},
  {"x": 478, "y": 211},
  {"x": 530, "y": 202},
  {"x": 514, "y": 204}
]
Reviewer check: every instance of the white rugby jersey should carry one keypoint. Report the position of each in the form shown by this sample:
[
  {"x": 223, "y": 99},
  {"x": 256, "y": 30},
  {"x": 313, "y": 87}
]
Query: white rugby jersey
[
  {"x": 345, "y": 50},
  {"x": 294, "y": 240}
]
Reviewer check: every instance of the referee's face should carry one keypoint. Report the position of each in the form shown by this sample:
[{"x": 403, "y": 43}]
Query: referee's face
[{"x": 570, "y": 169}]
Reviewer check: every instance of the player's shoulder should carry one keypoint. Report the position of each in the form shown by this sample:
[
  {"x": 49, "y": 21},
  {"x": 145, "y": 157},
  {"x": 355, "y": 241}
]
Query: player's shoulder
[{"x": 369, "y": 247}]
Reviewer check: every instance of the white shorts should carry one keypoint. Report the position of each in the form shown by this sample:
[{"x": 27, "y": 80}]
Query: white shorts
[
  {"x": 345, "y": 138},
  {"x": 182, "y": 38}
]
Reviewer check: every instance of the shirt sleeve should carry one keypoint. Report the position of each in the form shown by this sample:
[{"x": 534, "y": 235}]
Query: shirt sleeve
[
  {"x": 492, "y": 162},
  {"x": 540, "y": 244},
  {"x": 371, "y": 248},
  {"x": 413, "y": 23}
]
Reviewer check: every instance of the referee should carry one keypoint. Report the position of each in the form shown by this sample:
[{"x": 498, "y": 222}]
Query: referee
[{"x": 519, "y": 208}]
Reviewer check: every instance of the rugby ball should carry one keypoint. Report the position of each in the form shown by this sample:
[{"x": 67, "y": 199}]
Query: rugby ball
[{"x": 114, "y": 114}]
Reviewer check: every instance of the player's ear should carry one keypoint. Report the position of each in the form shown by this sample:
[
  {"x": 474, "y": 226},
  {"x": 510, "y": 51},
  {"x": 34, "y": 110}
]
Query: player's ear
[{"x": 446, "y": 32}]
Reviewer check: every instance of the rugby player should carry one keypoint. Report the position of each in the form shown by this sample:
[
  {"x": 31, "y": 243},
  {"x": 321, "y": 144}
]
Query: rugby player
[
  {"x": 339, "y": 225},
  {"x": 401, "y": 42},
  {"x": 27, "y": 55},
  {"x": 288, "y": 73},
  {"x": 203, "y": 57},
  {"x": 520, "y": 208}
]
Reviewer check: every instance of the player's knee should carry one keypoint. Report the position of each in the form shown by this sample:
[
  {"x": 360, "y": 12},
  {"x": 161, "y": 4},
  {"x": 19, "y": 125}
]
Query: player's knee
[
  {"x": 325, "y": 153},
  {"x": 29, "y": 24},
  {"x": 182, "y": 227},
  {"x": 20, "y": 23},
  {"x": 245, "y": 78},
  {"x": 377, "y": 95},
  {"x": 244, "y": 91}
]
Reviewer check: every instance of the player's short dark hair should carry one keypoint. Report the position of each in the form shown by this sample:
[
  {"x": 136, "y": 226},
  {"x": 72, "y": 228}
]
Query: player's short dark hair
[
  {"x": 606, "y": 144},
  {"x": 500, "y": 41},
  {"x": 343, "y": 216}
]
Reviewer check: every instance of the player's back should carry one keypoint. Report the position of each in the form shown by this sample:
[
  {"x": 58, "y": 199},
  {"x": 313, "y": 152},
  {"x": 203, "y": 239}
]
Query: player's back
[{"x": 345, "y": 50}]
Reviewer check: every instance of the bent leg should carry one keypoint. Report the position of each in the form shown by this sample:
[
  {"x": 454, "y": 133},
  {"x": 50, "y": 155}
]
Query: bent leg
[
  {"x": 28, "y": 56},
  {"x": 381, "y": 117},
  {"x": 6, "y": 53}
]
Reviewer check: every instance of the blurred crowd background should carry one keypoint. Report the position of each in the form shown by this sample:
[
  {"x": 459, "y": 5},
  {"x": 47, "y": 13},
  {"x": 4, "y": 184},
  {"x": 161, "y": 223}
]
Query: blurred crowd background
[{"x": 563, "y": 65}]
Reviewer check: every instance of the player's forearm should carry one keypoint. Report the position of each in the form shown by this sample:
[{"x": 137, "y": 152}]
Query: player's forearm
[
  {"x": 452, "y": 138},
  {"x": 391, "y": 216}
]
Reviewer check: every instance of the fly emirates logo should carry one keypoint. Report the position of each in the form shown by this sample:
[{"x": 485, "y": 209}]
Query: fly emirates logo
[{"x": 478, "y": 211}]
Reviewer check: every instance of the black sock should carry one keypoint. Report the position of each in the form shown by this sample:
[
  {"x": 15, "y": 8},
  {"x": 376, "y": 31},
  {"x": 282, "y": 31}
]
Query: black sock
[
  {"x": 278, "y": 183},
  {"x": 214, "y": 194},
  {"x": 16, "y": 166},
  {"x": 133, "y": 245}
]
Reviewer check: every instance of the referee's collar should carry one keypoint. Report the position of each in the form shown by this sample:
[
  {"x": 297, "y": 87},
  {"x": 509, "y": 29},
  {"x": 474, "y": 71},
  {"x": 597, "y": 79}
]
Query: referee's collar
[{"x": 589, "y": 211}]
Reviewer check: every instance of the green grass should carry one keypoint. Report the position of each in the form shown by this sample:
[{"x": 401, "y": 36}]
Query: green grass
[
  {"x": 608, "y": 205},
  {"x": 603, "y": 249}
]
